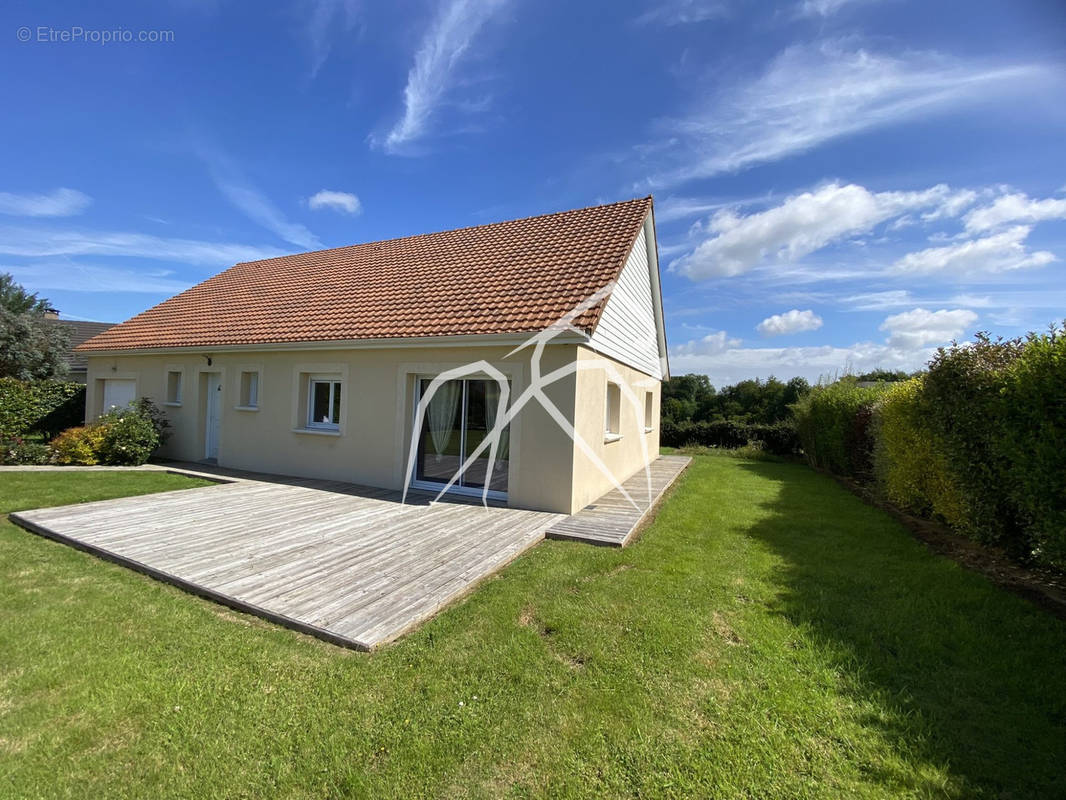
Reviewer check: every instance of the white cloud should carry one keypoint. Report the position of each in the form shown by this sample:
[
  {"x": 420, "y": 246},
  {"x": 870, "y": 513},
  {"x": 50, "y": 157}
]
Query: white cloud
[
  {"x": 57, "y": 203},
  {"x": 45, "y": 243},
  {"x": 338, "y": 201},
  {"x": 431, "y": 77},
  {"x": 710, "y": 344},
  {"x": 794, "y": 321},
  {"x": 683, "y": 12},
  {"x": 88, "y": 278},
  {"x": 824, "y": 8},
  {"x": 901, "y": 298},
  {"x": 799, "y": 226},
  {"x": 912, "y": 341},
  {"x": 1014, "y": 208},
  {"x": 919, "y": 327},
  {"x": 251, "y": 201},
  {"x": 813, "y": 94},
  {"x": 323, "y": 19},
  {"x": 1001, "y": 252}
]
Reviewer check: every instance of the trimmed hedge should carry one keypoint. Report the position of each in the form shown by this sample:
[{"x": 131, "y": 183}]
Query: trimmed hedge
[
  {"x": 833, "y": 425},
  {"x": 778, "y": 438},
  {"x": 39, "y": 406},
  {"x": 978, "y": 441}
]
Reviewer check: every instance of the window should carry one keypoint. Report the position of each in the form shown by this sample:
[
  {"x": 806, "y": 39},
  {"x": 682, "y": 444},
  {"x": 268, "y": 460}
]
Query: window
[
  {"x": 612, "y": 422},
  {"x": 174, "y": 387},
  {"x": 249, "y": 390},
  {"x": 649, "y": 411},
  {"x": 324, "y": 403}
]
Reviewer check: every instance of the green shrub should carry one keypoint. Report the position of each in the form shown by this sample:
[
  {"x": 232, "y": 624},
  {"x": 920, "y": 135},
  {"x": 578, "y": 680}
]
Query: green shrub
[
  {"x": 1032, "y": 441},
  {"x": 778, "y": 438},
  {"x": 832, "y": 423},
  {"x": 963, "y": 398},
  {"x": 44, "y": 406},
  {"x": 20, "y": 451},
  {"x": 80, "y": 446},
  {"x": 128, "y": 437},
  {"x": 908, "y": 456}
]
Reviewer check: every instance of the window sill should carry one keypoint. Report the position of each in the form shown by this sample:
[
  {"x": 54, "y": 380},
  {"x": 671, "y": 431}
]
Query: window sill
[
  {"x": 612, "y": 437},
  {"x": 246, "y": 408},
  {"x": 648, "y": 430},
  {"x": 172, "y": 404},
  {"x": 317, "y": 431}
]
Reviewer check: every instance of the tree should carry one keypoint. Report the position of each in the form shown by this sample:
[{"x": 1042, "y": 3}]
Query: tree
[
  {"x": 17, "y": 300},
  {"x": 32, "y": 347}
]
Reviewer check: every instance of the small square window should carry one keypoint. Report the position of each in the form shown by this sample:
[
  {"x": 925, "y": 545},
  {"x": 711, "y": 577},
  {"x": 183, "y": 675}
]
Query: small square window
[
  {"x": 324, "y": 404},
  {"x": 612, "y": 422},
  {"x": 649, "y": 411},
  {"x": 174, "y": 387},
  {"x": 250, "y": 390}
]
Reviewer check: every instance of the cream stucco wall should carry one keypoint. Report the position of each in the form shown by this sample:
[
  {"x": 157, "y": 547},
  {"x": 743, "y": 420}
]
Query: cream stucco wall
[
  {"x": 622, "y": 456},
  {"x": 377, "y": 415}
]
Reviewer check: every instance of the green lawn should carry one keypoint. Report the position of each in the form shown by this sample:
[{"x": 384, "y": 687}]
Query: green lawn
[{"x": 769, "y": 636}]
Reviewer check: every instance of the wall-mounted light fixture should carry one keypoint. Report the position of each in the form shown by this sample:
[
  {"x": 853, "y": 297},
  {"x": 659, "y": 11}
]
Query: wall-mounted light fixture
[{"x": 208, "y": 360}]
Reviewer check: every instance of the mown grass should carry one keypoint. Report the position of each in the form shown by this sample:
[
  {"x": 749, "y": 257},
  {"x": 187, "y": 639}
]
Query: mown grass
[{"x": 769, "y": 636}]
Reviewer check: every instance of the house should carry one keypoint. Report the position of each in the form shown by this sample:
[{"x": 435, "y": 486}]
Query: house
[
  {"x": 315, "y": 364},
  {"x": 80, "y": 331}
]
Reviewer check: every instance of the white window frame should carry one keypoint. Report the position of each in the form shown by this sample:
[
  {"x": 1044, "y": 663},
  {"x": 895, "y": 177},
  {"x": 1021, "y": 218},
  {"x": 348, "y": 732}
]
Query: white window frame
[
  {"x": 334, "y": 382},
  {"x": 176, "y": 402},
  {"x": 649, "y": 411},
  {"x": 248, "y": 406},
  {"x": 612, "y": 422}
]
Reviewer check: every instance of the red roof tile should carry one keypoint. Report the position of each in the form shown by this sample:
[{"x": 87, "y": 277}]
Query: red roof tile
[{"x": 507, "y": 277}]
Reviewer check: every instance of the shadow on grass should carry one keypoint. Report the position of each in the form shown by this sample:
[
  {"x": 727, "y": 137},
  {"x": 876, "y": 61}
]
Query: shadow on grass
[{"x": 974, "y": 678}]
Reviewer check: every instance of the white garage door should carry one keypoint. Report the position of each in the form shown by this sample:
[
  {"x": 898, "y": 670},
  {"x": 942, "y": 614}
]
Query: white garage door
[{"x": 119, "y": 393}]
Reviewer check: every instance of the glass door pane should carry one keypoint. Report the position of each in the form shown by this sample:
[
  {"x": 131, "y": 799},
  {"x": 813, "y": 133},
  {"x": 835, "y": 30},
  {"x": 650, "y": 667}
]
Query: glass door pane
[
  {"x": 440, "y": 442},
  {"x": 482, "y": 403}
]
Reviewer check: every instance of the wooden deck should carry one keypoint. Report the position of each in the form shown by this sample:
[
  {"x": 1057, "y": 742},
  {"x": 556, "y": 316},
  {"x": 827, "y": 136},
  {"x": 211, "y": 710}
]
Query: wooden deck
[
  {"x": 349, "y": 564},
  {"x": 613, "y": 520}
]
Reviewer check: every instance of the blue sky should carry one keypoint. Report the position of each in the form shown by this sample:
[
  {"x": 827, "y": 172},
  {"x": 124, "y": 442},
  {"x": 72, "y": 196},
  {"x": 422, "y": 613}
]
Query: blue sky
[{"x": 838, "y": 183}]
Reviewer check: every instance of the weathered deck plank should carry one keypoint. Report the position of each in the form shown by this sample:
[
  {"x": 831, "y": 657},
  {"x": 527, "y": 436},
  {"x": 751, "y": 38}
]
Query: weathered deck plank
[{"x": 346, "y": 563}]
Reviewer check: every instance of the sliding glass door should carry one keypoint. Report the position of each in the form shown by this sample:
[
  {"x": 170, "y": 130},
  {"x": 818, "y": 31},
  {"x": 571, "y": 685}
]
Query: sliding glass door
[{"x": 457, "y": 420}]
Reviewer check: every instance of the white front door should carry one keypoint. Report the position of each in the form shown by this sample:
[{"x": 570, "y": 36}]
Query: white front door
[
  {"x": 119, "y": 393},
  {"x": 213, "y": 415}
]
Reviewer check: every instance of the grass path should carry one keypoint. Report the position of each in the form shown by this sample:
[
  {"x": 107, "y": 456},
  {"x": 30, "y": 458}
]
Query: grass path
[{"x": 769, "y": 636}]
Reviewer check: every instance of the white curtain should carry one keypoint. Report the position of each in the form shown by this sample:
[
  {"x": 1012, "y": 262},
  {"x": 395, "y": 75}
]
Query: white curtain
[
  {"x": 441, "y": 414},
  {"x": 492, "y": 402}
]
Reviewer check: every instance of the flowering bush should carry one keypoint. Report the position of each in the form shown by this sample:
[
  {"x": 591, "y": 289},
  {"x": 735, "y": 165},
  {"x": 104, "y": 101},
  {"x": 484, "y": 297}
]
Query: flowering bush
[{"x": 128, "y": 437}]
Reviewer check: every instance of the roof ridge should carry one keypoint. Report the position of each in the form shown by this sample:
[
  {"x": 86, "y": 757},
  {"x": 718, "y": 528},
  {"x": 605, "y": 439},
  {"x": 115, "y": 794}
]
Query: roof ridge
[{"x": 646, "y": 198}]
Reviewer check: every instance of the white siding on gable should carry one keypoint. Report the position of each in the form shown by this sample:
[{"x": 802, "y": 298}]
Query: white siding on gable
[{"x": 627, "y": 331}]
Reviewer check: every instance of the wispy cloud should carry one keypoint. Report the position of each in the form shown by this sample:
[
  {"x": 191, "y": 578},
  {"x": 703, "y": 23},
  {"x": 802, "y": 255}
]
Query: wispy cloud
[
  {"x": 45, "y": 243},
  {"x": 345, "y": 202},
  {"x": 250, "y": 201},
  {"x": 431, "y": 77},
  {"x": 323, "y": 18},
  {"x": 826, "y": 8},
  {"x": 799, "y": 226},
  {"x": 90, "y": 278},
  {"x": 683, "y": 12},
  {"x": 57, "y": 203},
  {"x": 813, "y": 94},
  {"x": 1016, "y": 207},
  {"x": 1001, "y": 252}
]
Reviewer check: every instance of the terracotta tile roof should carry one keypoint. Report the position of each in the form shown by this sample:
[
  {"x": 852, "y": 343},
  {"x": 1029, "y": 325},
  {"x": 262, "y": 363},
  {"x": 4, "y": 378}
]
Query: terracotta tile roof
[{"x": 507, "y": 277}]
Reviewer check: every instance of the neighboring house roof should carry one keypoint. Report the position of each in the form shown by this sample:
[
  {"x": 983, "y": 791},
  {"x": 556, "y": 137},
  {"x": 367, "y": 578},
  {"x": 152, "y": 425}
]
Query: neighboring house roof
[
  {"x": 81, "y": 332},
  {"x": 507, "y": 277}
]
